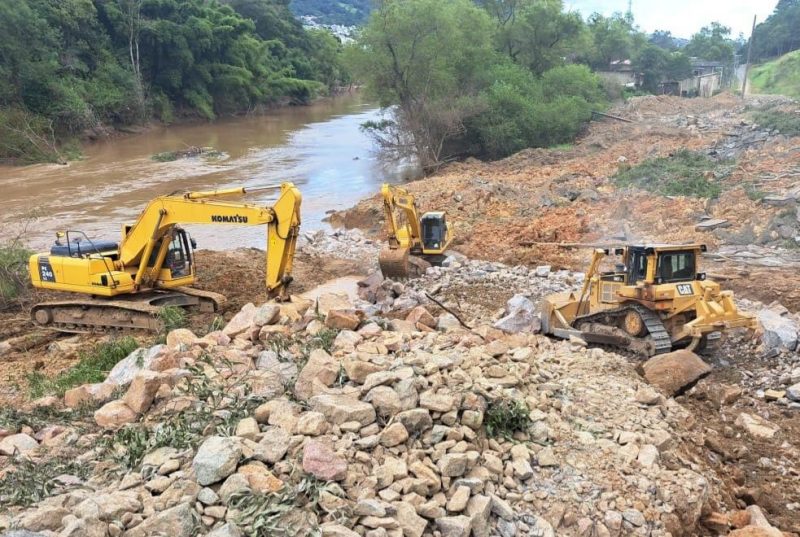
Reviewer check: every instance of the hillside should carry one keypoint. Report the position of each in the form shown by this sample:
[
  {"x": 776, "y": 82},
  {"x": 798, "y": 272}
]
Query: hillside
[
  {"x": 344, "y": 12},
  {"x": 780, "y": 77}
]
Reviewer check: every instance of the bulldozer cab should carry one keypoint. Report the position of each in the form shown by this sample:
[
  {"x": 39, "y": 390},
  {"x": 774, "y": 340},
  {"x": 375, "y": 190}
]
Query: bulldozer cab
[{"x": 434, "y": 231}]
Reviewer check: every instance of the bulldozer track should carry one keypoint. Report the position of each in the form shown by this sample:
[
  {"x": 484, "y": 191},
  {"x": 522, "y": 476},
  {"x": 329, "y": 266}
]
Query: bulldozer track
[
  {"x": 659, "y": 336},
  {"x": 140, "y": 312}
]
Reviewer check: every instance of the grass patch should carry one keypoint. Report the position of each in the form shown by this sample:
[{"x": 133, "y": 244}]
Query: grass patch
[
  {"x": 683, "y": 174},
  {"x": 323, "y": 340},
  {"x": 92, "y": 367},
  {"x": 786, "y": 123},
  {"x": 173, "y": 317},
  {"x": 27, "y": 482},
  {"x": 505, "y": 417},
  {"x": 781, "y": 76}
]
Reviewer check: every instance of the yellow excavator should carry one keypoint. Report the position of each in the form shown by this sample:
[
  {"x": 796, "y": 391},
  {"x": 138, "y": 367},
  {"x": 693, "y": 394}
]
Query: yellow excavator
[
  {"x": 128, "y": 283},
  {"x": 652, "y": 301},
  {"x": 414, "y": 243}
]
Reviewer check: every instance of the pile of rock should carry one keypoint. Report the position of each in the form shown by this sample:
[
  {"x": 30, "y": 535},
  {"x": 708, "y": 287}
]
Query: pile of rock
[
  {"x": 348, "y": 244},
  {"x": 388, "y": 424}
]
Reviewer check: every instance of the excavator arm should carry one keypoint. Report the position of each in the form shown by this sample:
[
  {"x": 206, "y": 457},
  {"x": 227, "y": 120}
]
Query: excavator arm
[
  {"x": 159, "y": 218},
  {"x": 402, "y": 235}
]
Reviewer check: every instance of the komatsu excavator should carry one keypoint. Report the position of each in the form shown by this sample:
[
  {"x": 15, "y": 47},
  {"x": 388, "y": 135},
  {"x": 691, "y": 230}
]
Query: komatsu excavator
[
  {"x": 415, "y": 243},
  {"x": 128, "y": 283},
  {"x": 655, "y": 300}
]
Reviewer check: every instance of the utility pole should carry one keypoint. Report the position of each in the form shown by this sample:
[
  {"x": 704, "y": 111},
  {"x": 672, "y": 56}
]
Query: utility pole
[{"x": 749, "y": 54}]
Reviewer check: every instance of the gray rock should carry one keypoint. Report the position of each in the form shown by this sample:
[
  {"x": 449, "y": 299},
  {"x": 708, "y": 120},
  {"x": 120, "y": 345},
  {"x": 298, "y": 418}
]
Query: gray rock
[
  {"x": 454, "y": 526},
  {"x": 22, "y": 533},
  {"x": 520, "y": 316},
  {"x": 793, "y": 392},
  {"x": 779, "y": 331},
  {"x": 216, "y": 459},
  {"x": 228, "y": 530},
  {"x": 179, "y": 521},
  {"x": 122, "y": 374}
]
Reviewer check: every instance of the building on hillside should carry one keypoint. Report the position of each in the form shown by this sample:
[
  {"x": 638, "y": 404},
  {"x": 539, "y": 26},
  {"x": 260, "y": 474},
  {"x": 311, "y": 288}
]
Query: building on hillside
[
  {"x": 706, "y": 80},
  {"x": 622, "y": 72}
]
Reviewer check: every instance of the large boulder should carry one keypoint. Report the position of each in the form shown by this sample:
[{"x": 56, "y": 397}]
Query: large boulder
[
  {"x": 178, "y": 521},
  {"x": 322, "y": 462},
  {"x": 320, "y": 371},
  {"x": 17, "y": 444},
  {"x": 122, "y": 374},
  {"x": 675, "y": 371},
  {"x": 520, "y": 316},
  {"x": 115, "y": 414},
  {"x": 91, "y": 394},
  {"x": 241, "y": 321},
  {"x": 216, "y": 459},
  {"x": 340, "y": 409},
  {"x": 780, "y": 331}
]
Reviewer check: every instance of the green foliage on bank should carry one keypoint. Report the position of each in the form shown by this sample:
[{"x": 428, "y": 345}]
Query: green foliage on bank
[
  {"x": 685, "y": 173},
  {"x": 71, "y": 66},
  {"x": 781, "y": 76},
  {"x": 463, "y": 83}
]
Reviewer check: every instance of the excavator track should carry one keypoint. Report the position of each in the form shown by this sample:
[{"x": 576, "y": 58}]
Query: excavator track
[
  {"x": 398, "y": 263},
  {"x": 596, "y": 328},
  {"x": 136, "y": 313}
]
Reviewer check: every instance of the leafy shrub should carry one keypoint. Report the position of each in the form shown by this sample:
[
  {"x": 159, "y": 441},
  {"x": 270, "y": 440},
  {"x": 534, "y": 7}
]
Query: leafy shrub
[
  {"x": 682, "y": 174},
  {"x": 27, "y": 482},
  {"x": 14, "y": 278},
  {"x": 92, "y": 367},
  {"x": 785, "y": 122},
  {"x": 504, "y": 417}
]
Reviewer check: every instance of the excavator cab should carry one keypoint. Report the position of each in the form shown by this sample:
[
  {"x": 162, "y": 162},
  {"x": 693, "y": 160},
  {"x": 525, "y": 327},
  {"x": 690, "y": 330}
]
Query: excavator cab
[
  {"x": 434, "y": 231},
  {"x": 179, "y": 255}
]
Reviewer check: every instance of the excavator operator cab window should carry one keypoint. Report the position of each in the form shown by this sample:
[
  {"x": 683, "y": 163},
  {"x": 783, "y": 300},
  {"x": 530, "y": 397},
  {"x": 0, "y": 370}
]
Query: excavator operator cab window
[
  {"x": 434, "y": 229},
  {"x": 676, "y": 267},
  {"x": 179, "y": 260}
]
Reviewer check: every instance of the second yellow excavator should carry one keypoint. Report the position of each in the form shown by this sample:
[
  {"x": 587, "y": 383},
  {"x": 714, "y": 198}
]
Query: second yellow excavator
[
  {"x": 128, "y": 283},
  {"x": 415, "y": 243}
]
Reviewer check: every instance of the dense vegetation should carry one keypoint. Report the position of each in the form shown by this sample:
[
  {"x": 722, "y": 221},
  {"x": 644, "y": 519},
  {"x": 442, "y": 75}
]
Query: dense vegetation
[
  {"x": 68, "y": 66},
  {"x": 490, "y": 77},
  {"x": 780, "y": 33},
  {"x": 344, "y": 12},
  {"x": 781, "y": 76},
  {"x": 469, "y": 80}
]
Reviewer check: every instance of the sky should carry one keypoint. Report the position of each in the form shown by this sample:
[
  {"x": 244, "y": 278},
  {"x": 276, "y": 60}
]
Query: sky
[{"x": 682, "y": 17}]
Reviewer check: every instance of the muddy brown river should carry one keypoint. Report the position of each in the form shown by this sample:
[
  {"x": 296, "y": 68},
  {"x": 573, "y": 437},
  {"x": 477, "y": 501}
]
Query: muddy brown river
[{"x": 319, "y": 147}]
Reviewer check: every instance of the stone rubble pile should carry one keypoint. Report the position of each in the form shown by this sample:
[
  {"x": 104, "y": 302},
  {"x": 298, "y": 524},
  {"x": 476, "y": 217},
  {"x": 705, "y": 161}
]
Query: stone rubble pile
[
  {"x": 388, "y": 424},
  {"x": 341, "y": 244}
]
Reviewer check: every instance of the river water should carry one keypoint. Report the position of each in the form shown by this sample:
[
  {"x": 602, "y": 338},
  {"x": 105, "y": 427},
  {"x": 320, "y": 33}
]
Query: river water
[{"x": 319, "y": 147}]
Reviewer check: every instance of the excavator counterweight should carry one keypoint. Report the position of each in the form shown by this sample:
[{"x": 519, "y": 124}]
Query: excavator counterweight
[{"x": 126, "y": 284}]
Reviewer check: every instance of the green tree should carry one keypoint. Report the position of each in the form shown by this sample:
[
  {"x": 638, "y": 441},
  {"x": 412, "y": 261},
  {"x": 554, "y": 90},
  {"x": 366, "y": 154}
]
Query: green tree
[
  {"x": 778, "y": 34},
  {"x": 663, "y": 39},
  {"x": 425, "y": 57},
  {"x": 712, "y": 43},
  {"x": 658, "y": 65},
  {"x": 535, "y": 33},
  {"x": 611, "y": 40}
]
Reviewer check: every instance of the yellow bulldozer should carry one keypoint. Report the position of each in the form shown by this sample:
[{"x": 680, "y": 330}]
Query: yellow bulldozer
[
  {"x": 414, "y": 242},
  {"x": 127, "y": 283},
  {"x": 653, "y": 300}
]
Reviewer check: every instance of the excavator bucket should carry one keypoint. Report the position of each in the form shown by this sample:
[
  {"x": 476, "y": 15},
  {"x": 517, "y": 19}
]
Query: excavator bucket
[{"x": 398, "y": 263}]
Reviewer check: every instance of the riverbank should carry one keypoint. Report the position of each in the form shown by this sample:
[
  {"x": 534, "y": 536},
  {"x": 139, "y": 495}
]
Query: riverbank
[
  {"x": 319, "y": 147},
  {"x": 513, "y": 210}
]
